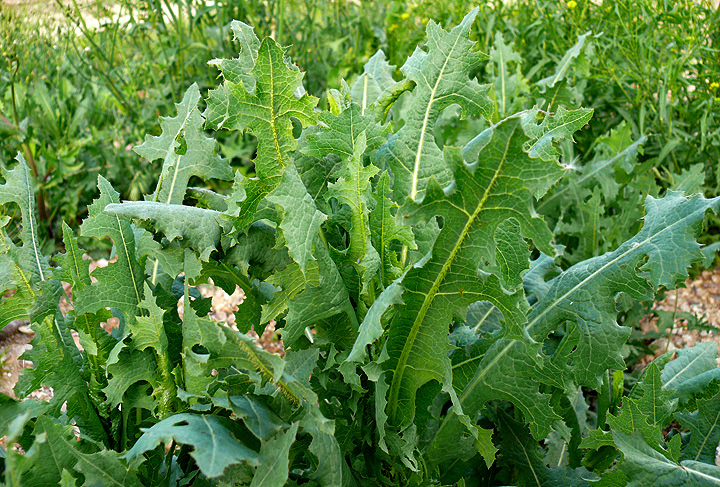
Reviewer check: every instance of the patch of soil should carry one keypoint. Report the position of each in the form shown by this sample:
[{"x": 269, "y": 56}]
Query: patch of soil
[
  {"x": 701, "y": 298},
  {"x": 14, "y": 340}
]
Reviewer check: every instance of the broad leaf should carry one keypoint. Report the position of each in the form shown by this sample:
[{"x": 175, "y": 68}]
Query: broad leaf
[
  {"x": 500, "y": 186},
  {"x": 214, "y": 446},
  {"x": 273, "y": 469},
  {"x": 120, "y": 284},
  {"x": 442, "y": 77},
  {"x": 184, "y": 150},
  {"x": 693, "y": 369},
  {"x": 266, "y": 111},
  {"x": 194, "y": 227},
  {"x": 584, "y": 295},
  {"x": 645, "y": 466},
  {"x": 704, "y": 426}
]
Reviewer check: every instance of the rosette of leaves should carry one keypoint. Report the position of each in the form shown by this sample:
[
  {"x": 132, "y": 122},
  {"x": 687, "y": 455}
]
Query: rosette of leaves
[{"x": 423, "y": 345}]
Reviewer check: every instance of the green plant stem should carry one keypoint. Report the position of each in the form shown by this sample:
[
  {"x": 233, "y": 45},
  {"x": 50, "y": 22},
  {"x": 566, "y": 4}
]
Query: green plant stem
[
  {"x": 604, "y": 399},
  {"x": 675, "y": 310},
  {"x": 280, "y": 21}
]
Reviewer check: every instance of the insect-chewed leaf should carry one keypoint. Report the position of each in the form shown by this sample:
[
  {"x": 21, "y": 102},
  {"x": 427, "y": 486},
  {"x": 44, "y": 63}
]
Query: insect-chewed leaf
[
  {"x": 214, "y": 446},
  {"x": 238, "y": 70},
  {"x": 342, "y": 134},
  {"x": 352, "y": 189}
]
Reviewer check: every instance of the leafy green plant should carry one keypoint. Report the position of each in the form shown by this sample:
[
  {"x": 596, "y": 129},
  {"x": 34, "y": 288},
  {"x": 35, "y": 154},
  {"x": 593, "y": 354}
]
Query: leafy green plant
[{"x": 423, "y": 343}]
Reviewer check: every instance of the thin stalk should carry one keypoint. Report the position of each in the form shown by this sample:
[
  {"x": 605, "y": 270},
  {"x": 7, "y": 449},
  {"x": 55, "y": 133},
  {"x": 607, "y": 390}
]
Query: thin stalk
[
  {"x": 40, "y": 197},
  {"x": 280, "y": 21},
  {"x": 101, "y": 54},
  {"x": 672, "y": 328},
  {"x": 604, "y": 399}
]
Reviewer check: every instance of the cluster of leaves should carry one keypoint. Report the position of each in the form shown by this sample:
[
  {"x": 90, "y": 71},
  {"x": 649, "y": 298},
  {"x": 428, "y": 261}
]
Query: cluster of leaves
[
  {"x": 77, "y": 91},
  {"x": 424, "y": 344}
]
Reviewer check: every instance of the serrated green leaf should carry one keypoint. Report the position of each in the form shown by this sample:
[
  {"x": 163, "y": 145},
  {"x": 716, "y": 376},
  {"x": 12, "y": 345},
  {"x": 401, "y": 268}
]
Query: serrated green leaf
[
  {"x": 442, "y": 77},
  {"x": 259, "y": 419},
  {"x": 301, "y": 220},
  {"x": 316, "y": 174},
  {"x": 385, "y": 230},
  {"x": 647, "y": 410},
  {"x": 184, "y": 149},
  {"x": 507, "y": 84},
  {"x": 376, "y": 78},
  {"x": 228, "y": 277},
  {"x": 238, "y": 70},
  {"x": 67, "y": 480},
  {"x": 704, "y": 426},
  {"x": 521, "y": 452},
  {"x": 24, "y": 271},
  {"x": 645, "y": 466},
  {"x": 310, "y": 303},
  {"x": 352, "y": 189},
  {"x": 371, "y": 328},
  {"x": 195, "y": 227},
  {"x": 273, "y": 468},
  {"x": 73, "y": 268},
  {"x": 50, "y": 454},
  {"x": 214, "y": 446},
  {"x": 209, "y": 199},
  {"x": 56, "y": 452},
  {"x": 57, "y": 364},
  {"x": 129, "y": 367},
  {"x": 120, "y": 284},
  {"x": 341, "y": 137},
  {"x": 228, "y": 348},
  {"x": 18, "y": 189},
  {"x": 692, "y": 370},
  {"x": 562, "y": 125},
  {"x": 266, "y": 111},
  {"x": 148, "y": 331},
  {"x": 105, "y": 468},
  {"x": 584, "y": 294},
  {"x": 565, "y": 63},
  {"x": 498, "y": 188},
  {"x": 600, "y": 170},
  {"x": 328, "y": 461}
]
